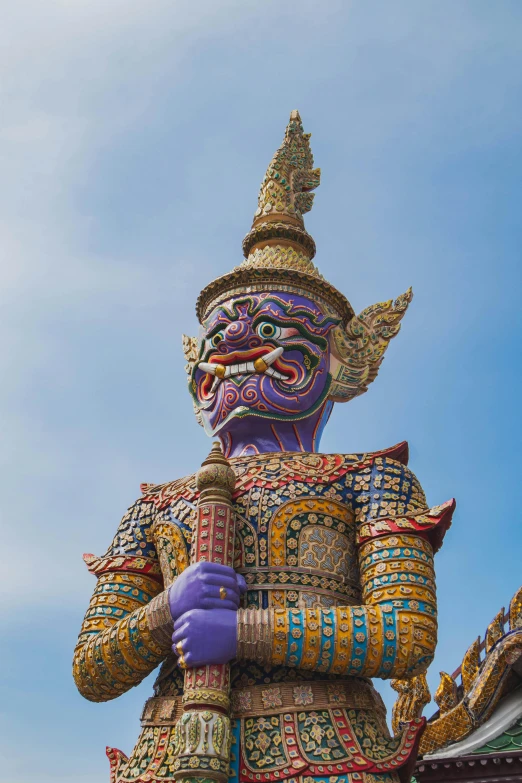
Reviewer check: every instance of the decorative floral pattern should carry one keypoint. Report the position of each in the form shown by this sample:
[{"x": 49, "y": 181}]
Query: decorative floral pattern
[
  {"x": 303, "y": 695},
  {"x": 271, "y": 698}
]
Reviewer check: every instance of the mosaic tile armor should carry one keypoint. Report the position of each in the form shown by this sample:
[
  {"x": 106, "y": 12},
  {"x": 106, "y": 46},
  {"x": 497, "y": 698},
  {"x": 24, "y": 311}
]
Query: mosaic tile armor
[
  {"x": 336, "y": 549},
  {"x": 339, "y": 548}
]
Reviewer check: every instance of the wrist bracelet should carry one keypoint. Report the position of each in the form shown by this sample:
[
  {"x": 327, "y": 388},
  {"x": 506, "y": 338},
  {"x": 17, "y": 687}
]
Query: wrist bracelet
[
  {"x": 254, "y": 635},
  {"x": 159, "y": 619}
]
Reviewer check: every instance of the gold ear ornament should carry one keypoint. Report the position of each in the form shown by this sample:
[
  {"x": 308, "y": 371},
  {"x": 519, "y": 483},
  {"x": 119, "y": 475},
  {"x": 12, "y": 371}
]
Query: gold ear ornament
[{"x": 358, "y": 349}]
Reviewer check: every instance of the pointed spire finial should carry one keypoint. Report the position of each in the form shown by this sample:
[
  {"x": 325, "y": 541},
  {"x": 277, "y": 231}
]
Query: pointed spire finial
[{"x": 285, "y": 195}]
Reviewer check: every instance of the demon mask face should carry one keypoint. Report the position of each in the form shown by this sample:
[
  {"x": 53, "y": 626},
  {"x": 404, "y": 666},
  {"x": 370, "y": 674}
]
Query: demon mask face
[{"x": 262, "y": 355}]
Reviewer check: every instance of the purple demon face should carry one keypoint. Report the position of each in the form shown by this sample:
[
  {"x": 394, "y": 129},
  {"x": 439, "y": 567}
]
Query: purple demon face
[{"x": 262, "y": 355}]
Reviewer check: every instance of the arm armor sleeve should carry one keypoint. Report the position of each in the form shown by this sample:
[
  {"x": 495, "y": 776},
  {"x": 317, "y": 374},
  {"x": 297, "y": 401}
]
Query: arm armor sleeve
[
  {"x": 121, "y": 640},
  {"x": 392, "y": 634}
]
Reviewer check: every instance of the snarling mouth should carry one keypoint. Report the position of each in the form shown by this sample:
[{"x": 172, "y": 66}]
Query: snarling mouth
[{"x": 259, "y": 360}]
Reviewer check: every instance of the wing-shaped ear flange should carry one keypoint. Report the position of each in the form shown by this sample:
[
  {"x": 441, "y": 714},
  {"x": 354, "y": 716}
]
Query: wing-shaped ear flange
[
  {"x": 358, "y": 349},
  {"x": 191, "y": 351}
]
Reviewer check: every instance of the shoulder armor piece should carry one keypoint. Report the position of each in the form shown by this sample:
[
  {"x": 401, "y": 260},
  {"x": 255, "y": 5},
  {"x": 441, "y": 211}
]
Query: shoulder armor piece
[
  {"x": 162, "y": 495},
  {"x": 123, "y": 564},
  {"x": 269, "y": 470},
  {"x": 432, "y": 522},
  {"x": 400, "y": 453}
]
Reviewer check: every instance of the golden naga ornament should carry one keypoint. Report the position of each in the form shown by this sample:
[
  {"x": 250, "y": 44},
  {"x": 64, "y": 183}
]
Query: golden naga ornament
[{"x": 465, "y": 708}]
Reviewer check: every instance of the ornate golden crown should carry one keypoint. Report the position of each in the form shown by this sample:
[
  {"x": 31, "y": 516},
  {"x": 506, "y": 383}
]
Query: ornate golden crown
[
  {"x": 278, "y": 257},
  {"x": 278, "y": 250}
]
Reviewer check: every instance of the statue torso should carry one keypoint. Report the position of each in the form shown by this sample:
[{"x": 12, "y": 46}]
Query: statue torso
[
  {"x": 297, "y": 521},
  {"x": 296, "y": 525},
  {"x": 295, "y": 531}
]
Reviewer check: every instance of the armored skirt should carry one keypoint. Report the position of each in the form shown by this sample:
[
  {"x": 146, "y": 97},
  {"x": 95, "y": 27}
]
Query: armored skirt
[{"x": 287, "y": 726}]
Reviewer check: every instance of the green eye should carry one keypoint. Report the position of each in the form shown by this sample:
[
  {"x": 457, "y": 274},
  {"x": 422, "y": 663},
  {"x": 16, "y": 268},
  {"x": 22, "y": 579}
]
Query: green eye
[
  {"x": 267, "y": 329},
  {"x": 216, "y": 339}
]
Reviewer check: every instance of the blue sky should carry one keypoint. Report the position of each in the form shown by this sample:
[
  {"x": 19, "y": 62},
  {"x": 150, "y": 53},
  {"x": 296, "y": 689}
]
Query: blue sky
[{"x": 133, "y": 140}]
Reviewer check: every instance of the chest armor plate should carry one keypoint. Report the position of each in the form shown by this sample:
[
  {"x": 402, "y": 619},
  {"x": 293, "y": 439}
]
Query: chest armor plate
[{"x": 295, "y": 537}]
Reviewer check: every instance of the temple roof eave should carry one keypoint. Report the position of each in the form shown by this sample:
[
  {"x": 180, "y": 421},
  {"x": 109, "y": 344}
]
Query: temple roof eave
[
  {"x": 508, "y": 711},
  {"x": 483, "y": 768}
]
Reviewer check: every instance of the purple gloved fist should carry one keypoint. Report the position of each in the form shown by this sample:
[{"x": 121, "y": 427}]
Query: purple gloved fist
[
  {"x": 206, "y": 637},
  {"x": 204, "y": 620},
  {"x": 198, "y": 587}
]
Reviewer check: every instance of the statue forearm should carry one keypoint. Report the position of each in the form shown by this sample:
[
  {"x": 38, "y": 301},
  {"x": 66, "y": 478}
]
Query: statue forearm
[
  {"x": 392, "y": 635},
  {"x": 123, "y": 637},
  {"x": 361, "y": 641}
]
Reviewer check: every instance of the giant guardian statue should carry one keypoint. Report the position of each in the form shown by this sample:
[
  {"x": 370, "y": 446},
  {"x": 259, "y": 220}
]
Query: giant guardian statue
[{"x": 271, "y": 586}]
